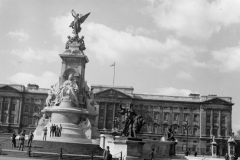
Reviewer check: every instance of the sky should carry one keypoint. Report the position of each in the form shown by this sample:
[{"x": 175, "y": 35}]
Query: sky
[{"x": 165, "y": 47}]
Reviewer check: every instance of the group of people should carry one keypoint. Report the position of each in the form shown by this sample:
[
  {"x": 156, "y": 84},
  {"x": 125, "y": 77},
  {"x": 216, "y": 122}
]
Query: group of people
[
  {"x": 55, "y": 131},
  {"x": 22, "y": 139}
]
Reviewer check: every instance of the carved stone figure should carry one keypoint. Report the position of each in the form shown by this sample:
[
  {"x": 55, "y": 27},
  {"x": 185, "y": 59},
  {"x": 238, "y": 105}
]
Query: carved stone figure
[
  {"x": 169, "y": 133},
  {"x": 70, "y": 89},
  {"x": 70, "y": 40},
  {"x": 133, "y": 122},
  {"x": 51, "y": 97},
  {"x": 78, "y": 20},
  {"x": 82, "y": 44}
]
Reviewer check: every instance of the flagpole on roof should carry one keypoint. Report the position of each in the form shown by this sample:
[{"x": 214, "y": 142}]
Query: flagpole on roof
[{"x": 113, "y": 72}]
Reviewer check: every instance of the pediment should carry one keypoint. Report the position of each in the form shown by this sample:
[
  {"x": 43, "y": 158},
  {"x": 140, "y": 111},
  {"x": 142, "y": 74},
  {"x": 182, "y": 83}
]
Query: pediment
[
  {"x": 112, "y": 93},
  {"x": 7, "y": 88},
  {"x": 217, "y": 101}
]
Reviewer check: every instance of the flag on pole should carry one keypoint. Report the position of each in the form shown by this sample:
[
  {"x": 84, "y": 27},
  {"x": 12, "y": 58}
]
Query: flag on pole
[{"x": 112, "y": 64}]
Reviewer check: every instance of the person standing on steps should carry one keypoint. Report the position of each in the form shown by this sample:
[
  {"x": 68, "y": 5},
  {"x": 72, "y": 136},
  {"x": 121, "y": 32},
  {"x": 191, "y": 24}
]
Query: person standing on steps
[
  {"x": 45, "y": 133},
  {"x": 60, "y": 130},
  {"x": 21, "y": 142},
  {"x": 51, "y": 130},
  {"x": 30, "y": 138},
  {"x": 14, "y": 139}
]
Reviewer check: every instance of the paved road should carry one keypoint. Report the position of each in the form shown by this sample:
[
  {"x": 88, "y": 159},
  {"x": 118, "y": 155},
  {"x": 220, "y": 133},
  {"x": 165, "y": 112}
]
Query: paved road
[{"x": 15, "y": 158}]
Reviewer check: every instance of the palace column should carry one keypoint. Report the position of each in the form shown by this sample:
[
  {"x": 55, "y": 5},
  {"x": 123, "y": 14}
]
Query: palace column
[
  {"x": 2, "y": 107},
  {"x": 114, "y": 114},
  {"x": 9, "y": 110},
  {"x": 181, "y": 121},
  {"x": 219, "y": 123},
  {"x": 211, "y": 123},
  {"x": 20, "y": 108},
  {"x": 105, "y": 116}
]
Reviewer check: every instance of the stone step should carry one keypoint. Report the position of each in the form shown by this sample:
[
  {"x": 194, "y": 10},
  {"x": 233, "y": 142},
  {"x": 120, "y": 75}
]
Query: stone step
[{"x": 54, "y": 147}]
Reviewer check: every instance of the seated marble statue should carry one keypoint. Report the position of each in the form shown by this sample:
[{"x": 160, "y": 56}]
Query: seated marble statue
[{"x": 70, "y": 89}]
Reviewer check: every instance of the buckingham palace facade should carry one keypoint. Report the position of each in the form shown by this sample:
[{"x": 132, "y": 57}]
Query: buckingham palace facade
[{"x": 205, "y": 116}]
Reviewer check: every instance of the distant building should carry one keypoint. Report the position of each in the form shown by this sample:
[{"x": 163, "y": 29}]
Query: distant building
[
  {"x": 205, "y": 115},
  {"x": 20, "y": 107}
]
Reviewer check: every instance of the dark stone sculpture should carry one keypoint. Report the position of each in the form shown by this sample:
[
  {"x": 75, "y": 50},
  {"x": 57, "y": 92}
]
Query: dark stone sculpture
[
  {"x": 132, "y": 123},
  {"x": 169, "y": 133}
]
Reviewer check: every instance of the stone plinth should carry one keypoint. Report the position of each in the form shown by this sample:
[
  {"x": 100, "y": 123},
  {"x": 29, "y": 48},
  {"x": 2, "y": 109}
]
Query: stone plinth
[
  {"x": 231, "y": 148},
  {"x": 136, "y": 149},
  {"x": 214, "y": 149}
]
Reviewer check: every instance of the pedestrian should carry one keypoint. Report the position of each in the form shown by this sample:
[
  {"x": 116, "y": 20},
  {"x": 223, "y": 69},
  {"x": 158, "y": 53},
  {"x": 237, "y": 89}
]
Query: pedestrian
[
  {"x": 151, "y": 155},
  {"x": 226, "y": 156},
  {"x": 195, "y": 153},
  {"x": 14, "y": 139},
  {"x": 45, "y": 133},
  {"x": 51, "y": 130},
  {"x": 106, "y": 154},
  {"x": 54, "y": 130},
  {"x": 235, "y": 156},
  {"x": 21, "y": 142},
  {"x": 30, "y": 138},
  {"x": 60, "y": 130}
]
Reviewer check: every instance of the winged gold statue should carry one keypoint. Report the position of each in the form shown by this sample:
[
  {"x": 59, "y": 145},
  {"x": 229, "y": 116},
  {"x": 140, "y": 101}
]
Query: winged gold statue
[{"x": 78, "y": 20}]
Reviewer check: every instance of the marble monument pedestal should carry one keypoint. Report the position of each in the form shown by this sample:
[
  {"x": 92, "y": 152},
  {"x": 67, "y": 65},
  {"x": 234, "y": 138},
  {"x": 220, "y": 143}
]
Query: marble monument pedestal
[
  {"x": 77, "y": 123},
  {"x": 137, "y": 149}
]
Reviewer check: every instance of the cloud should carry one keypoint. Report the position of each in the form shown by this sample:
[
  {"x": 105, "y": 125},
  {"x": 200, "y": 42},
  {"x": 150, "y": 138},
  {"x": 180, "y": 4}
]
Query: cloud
[
  {"x": 227, "y": 59},
  {"x": 184, "y": 75},
  {"x": 172, "y": 91},
  {"x": 29, "y": 54},
  {"x": 44, "y": 81},
  {"x": 139, "y": 30},
  {"x": 109, "y": 45},
  {"x": 20, "y": 35},
  {"x": 194, "y": 19}
]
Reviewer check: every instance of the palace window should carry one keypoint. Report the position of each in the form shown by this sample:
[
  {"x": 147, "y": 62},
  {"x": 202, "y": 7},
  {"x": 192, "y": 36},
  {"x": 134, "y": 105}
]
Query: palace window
[
  {"x": 35, "y": 121},
  {"x": 175, "y": 128},
  {"x": 223, "y": 119},
  {"x": 223, "y": 132},
  {"x": 215, "y": 118},
  {"x": 195, "y": 119},
  {"x": 4, "y": 120},
  {"x": 31, "y": 109},
  {"x": 13, "y": 108},
  {"x": 25, "y": 120},
  {"x": 156, "y": 114},
  {"x": 30, "y": 120},
  {"x": 195, "y": 131},
  {"x": 166, "y": 116},
  {"x": 176, "y": 115},
  {"x": 208, "y": 131},
  {"x": 36, "y": 109},
  {"x": 6, "y": 106},
  {"x": 12, "y": 119},
  {"x": 26, "y": 107},
  {"x": 208, "y": 118},
  {"x": 186, "y": 117},
  {"x": 215, "y": 131}
]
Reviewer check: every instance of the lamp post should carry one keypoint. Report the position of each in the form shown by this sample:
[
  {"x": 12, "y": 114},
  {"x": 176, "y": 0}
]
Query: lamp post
[{"x": 186, "y": 127}]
